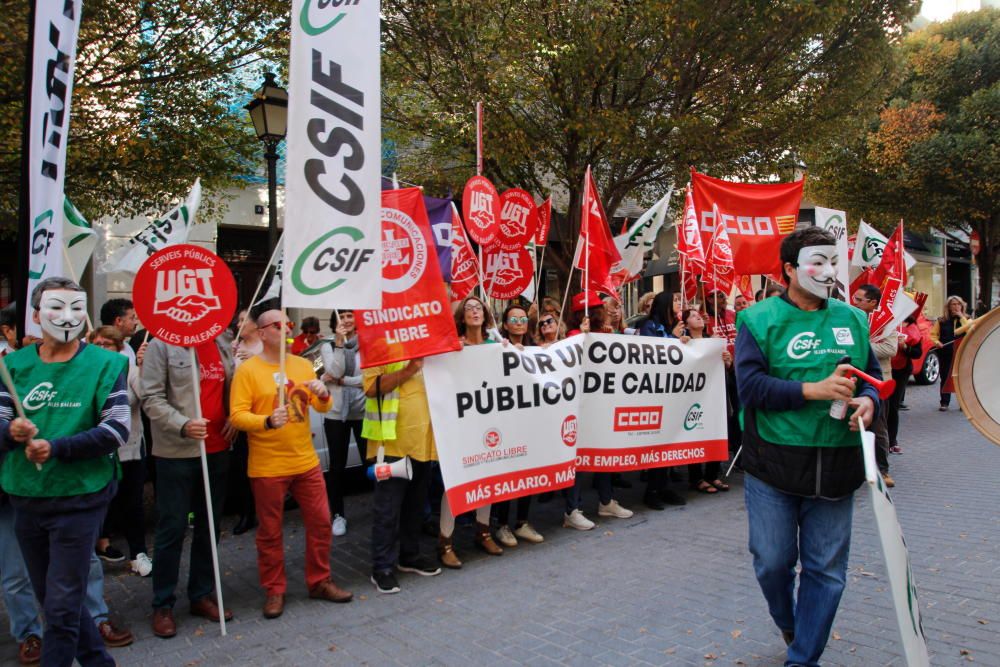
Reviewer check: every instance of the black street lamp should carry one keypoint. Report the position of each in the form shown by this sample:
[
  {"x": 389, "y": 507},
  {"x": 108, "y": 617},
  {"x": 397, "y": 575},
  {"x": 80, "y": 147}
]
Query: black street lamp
[{"x": 269, "y": 113}]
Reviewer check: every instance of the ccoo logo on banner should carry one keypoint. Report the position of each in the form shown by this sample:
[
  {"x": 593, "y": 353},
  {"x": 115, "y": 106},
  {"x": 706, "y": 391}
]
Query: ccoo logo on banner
[{"x": 332, "y": 241}]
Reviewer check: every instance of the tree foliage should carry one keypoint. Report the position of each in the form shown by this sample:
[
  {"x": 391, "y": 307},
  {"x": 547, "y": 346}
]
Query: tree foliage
[
  {"x": 640, "y": 89},
  {"x": 157, "y": 90},
  {"x": 931, "y": 154}
]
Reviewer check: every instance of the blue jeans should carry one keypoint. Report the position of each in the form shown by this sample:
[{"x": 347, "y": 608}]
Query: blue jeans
[
  {"x": 785, "y": 529},
  {"x": 22, "y": 609},
  {"x": 57, "y": 550},
  {"x": 94, "y": 601}
]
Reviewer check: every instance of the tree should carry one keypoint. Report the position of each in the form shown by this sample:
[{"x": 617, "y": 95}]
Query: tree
[
  {"x": 931, "y": 154},
  {"x": 156, "y": 102},
  {"x": 640, "y": 89}
]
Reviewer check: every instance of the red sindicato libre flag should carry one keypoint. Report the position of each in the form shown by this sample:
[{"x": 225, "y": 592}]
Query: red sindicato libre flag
[
  {"x": 464, "y": 265},
  {"x": 544, "y": 223},
  {"x": 893, "y": 264},
  {"x": 689, "y": 239},
  {"x": 598, "y": 252},
  {"x": 756, "y": 216},
  {"x": 415, "y": 319},
  {"x": 719, "y": 272}
]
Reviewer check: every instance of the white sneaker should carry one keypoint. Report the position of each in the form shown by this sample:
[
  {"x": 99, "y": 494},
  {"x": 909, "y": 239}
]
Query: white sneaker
[
  {"x": 576, "y": 519},
  {"x": 505, "y": 537},
  {"x": 142, "y": 565},
  {"x": 613, "y": 509},
  {"x": 339, "y": 525},
  {"x": 527, "y": 533}
]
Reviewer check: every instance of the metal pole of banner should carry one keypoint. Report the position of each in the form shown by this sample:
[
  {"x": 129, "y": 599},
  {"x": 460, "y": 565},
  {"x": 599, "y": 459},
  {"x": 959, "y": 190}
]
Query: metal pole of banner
[
  {"x": 260, "y": 283},
  {"x": 538, "y": 276},
  {"x": 569, "y": 280},
  {"x": 21, "y": 295},
  {"x": 735, "y": 459},
  {"x": 683, "y": 285},
  {"x": 479, "y": 138},
  {"x": 281, "y": 360},
  {"x": 76, "y": 279},
  {"x": 210, "y": 515}
]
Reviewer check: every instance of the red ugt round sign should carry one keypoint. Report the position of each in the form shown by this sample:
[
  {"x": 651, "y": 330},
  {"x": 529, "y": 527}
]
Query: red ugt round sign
[
  {"x": 184, "y": 295},
  {"x": 481, "y": 210}
]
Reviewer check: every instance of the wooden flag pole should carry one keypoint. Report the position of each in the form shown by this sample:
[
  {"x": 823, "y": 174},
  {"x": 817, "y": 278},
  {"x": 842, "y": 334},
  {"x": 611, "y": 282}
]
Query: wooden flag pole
[
  {"x": 281, "y": 360},
  {"x": 479, "y": 138},
  {"x": 569, "y": 280},
  {"x": 196, "y": 384},
  {"x": 12, "y": 390}
]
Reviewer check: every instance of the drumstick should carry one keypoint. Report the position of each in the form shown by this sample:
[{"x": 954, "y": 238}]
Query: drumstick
[{"x": 9, "y": 384}]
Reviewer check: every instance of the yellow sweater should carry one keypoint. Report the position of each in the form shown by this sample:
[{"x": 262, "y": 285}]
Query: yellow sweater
[{"x": 282, "y": 451}]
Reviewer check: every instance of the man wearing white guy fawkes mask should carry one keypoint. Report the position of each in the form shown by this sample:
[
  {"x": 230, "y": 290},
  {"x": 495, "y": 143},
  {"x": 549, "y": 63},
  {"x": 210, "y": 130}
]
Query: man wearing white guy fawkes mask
[
  {"x": 60, "y": 469},
  {"x": 802, "y": 465}
]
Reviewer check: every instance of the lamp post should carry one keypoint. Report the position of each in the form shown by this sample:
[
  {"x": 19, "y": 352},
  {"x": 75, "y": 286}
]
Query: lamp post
[{"x": 269, "y": 113}]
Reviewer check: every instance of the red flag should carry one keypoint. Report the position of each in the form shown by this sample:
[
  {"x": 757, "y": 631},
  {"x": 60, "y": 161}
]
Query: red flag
[
  {"x": 544, "y": 222},
  {"x": 464, "y": 266},
  {"x": 757, "y": 216},
  {"x": 745, "y": 285},
  {"x": 893, "y": 264},
  {"x": 864, "y": 278},
  {"x": 690, "y": 286},
  {"x": 598, "y": 250},
  {"x": 719, "y": 272},
  {"x": 415, "y": 319},
  {"x": 689, "y": 239}
]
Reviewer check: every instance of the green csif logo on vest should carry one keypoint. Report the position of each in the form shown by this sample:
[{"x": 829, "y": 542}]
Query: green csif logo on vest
[{"x": 317, "y": 22}]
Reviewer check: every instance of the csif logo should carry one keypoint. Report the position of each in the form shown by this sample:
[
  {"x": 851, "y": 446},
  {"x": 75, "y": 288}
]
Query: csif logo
[
  {"x": 802, "y": 345},
  {"x": 325, "y": 15},
  {"x": 692, "y": 419},
  {"x": 322, "y": 265},
  {"x": 39, "y": 396}
]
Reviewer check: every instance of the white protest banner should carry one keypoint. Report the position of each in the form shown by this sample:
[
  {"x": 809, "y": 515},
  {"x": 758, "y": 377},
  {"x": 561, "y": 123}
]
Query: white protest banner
[
  {"x": 651, "y": 402},
  {"x": 51, "y": 88},
  {"x": 333, "y": 224},
  {"x": 835, "y": 222},
  {"x": 897, "y": 560},
  {"x": 509, "y": 422},
  {"x": 172, "y": 228},
  {"x": 505, "y": 420}
]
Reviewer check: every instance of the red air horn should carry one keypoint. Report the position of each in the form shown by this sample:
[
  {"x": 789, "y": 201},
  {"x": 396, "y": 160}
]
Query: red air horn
[{"x": 884, "y": 387}]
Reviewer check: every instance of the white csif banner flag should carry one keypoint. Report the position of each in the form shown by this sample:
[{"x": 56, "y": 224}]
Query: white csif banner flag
[
  {"x": 869, "y": 245},
  {"x": 639, "y": 239},
  {"x": 54, "y": 33},
  {"x": 333, "y": 222},
  {"x": 169, "y": 229},
  {"x": 835, "y": 222}
]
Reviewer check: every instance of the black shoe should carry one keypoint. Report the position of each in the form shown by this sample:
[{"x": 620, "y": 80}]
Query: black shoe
[
  {"x": 245, "y": 524},
  {"x": 110, "y": 555},
  {"x": 419, "y": 565},
  {"x": 672, "y": 498},
  {"x": 788, "y": 636},
  {"x": 653, "y": 502},
  {"x": 904, "y": 406},
  {"x": 385, "y": 582},
  {"x": 620, "y": 482}
]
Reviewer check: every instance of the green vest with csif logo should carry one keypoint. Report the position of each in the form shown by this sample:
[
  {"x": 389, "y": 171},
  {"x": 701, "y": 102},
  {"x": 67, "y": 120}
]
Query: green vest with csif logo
[
  {"x": 804, "y": 346},
  {"x": 62, "y": 399}
]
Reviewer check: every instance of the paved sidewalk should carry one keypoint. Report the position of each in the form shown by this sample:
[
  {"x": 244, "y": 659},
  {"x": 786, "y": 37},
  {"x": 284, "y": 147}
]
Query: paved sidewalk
[{"x": 662, "y": 588}]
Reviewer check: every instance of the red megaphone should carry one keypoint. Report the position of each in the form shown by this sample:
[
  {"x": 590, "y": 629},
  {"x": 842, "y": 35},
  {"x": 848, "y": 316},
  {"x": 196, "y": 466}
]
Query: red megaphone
[{"x": 884, "y": 387}]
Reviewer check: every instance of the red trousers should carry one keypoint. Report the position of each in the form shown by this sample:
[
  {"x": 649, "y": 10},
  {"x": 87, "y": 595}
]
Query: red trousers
[{"x": 309, "y": 491}]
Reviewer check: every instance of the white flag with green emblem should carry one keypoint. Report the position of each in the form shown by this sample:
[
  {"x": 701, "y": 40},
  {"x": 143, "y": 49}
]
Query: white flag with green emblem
[
  {"x": 869, "y": 245},
  {"x": 169, "y": 229},
  {"x": 640, "y": 237},
  {"x": 79, "y": 239}
]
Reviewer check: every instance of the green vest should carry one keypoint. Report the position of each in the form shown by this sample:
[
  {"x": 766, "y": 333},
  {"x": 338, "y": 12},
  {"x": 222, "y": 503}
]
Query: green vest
[
  {"x": 804, "y": 346},
  {"x": 61, "y": 399},
  {"x": 381, "y": 425}
]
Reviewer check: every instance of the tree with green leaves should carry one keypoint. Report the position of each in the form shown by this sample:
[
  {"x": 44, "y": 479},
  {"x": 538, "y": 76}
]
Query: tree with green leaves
[
  {"x": 156, "y": 100},
  {"x": 931, "y": 155},
  {"x": 640, "y": 90}
]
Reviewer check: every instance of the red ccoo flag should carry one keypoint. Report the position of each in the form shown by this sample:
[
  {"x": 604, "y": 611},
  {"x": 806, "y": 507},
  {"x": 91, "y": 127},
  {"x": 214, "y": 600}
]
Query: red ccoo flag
[
  {"x": 598, "y": 252},
  {"x": 689, "y": 238}
]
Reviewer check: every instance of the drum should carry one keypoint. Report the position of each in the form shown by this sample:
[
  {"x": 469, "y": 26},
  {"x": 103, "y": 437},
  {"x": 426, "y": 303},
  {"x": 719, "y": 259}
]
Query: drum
[{"x": 974, "y": 372}]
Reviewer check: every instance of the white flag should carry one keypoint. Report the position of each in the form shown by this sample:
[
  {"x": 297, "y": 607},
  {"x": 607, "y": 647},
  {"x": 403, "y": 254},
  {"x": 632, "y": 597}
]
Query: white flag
[
  {"x": 79, "y": 238},
  {"x": 333, "y": 219},
  {"x": 835, "y": 222},
  {"x": 169, "y": 229},
  {"x": 640, "y": 237},
  {"x": 273, "y": 290},
  {"x": 51, "y": 88},
  {"x": 869, "y": 246}
]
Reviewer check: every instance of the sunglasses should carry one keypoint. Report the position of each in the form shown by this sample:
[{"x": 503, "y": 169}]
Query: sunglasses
[
  {"x": 517, "y": 320},
  {"x": 545, "y": 323}
]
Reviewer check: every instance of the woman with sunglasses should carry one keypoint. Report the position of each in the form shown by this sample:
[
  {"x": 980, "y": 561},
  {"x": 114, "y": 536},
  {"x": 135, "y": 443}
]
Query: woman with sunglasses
[
  {"x": 549, "y": 329},
  {"x": 473, "y": 320},
  {"x": 703, "y": 478},
  {"x": 514, "y": 328}
]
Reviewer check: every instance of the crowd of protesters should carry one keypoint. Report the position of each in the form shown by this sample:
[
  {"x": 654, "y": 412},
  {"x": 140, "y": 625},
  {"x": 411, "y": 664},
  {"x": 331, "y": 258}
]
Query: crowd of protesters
[{"x": 261, "y": 455}]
